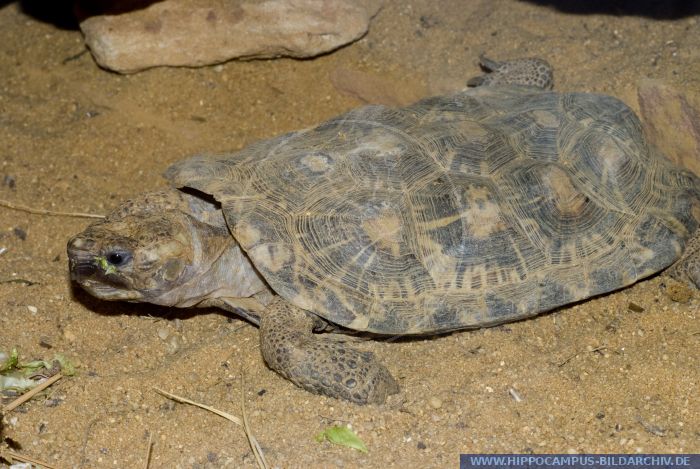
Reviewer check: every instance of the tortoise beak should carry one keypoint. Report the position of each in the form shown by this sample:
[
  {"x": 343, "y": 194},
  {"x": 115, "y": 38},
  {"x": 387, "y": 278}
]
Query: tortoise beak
[
  {"x": 80, "y": 269},
  {"x": 81, "y": 259}
]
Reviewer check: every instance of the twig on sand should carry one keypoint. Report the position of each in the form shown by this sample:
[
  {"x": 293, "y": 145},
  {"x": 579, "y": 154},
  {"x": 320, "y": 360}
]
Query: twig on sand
[
  {"x": 23, "y": 281},
  {"x": 147, "y": 463},
  {"x": 254, "y": 445},
  {"x": 19, "y": 401},
  {"x": 597, "y": 349},
  {"x": 31, "y": 393},
  {"x": 51, "y": 213},
  {"x": 18, "y": 457}
]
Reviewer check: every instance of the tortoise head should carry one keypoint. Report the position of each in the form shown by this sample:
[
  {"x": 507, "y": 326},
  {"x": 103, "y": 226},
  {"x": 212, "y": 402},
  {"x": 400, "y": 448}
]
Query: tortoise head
[
  {"x": 175, "y": 254},
  {"x": 137, "y": 258}
]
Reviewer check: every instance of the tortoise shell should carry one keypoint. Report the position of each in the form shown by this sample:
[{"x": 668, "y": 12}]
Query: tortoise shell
[{"x": 460, "y": 211}]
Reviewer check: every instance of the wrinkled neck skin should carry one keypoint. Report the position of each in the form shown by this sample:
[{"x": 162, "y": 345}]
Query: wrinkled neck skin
[
  {"x": 228, "y": 274},
  {"x": 168, "y": 248}
]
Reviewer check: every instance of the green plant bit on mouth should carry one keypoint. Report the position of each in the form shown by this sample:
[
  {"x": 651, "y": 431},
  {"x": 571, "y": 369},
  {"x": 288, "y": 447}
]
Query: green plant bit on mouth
[{"x": 104, "y": 264}]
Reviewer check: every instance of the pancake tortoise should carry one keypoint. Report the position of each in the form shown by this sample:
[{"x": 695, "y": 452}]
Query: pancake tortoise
[{"x": 490, "y": 205}]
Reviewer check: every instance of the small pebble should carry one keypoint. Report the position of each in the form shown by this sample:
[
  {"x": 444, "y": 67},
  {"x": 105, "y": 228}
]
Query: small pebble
[
  {"x": 69, "y": 335},
  {"x": 33, "y": 309},
  {"x": 9, "y": 181},
  {"x": 20, "y": 233},
  {"x": 435, "y": 402},
  {"x": 45, "y": 342},
  {"x": 678, "y": 291},
  {"x": 163, "y": 333},
  {"x": 173, "y": 344},
  {"x": 517, "y": 397}
]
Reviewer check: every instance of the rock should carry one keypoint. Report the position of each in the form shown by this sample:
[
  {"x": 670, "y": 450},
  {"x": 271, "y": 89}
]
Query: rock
[
  {"x": 671, "y": 121},
  {"x": 202, "y": 32},
  {"x": 373, "y": 89}
]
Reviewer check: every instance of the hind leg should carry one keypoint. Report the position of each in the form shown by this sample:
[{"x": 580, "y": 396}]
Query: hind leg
[
  {"x": 687, "y": 268},
  {"x": 526, "y": 72}
]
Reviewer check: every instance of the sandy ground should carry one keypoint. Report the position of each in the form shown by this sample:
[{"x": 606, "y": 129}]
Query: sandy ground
[{"x": 595, "y": 377}]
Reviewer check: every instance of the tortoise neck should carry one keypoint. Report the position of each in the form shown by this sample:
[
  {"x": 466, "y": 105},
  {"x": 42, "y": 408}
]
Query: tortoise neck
[{"x": 230, "y": 275}]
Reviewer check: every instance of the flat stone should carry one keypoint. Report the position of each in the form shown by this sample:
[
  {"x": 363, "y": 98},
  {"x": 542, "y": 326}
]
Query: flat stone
[
  {"x": 202, "y": 32},
  {"x": 671, "y": 121}
]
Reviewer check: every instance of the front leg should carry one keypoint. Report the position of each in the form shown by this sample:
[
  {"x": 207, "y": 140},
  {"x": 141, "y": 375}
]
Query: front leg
[{"x": 320, "y": 364}]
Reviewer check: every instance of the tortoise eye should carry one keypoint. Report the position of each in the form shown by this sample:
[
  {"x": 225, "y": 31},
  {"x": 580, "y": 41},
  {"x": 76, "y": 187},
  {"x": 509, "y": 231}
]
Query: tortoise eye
[{"x": 117, "y": 258}]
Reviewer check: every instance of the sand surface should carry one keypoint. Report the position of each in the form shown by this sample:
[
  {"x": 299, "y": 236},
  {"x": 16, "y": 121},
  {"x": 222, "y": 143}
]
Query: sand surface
[{"x": 594, "y": 377}]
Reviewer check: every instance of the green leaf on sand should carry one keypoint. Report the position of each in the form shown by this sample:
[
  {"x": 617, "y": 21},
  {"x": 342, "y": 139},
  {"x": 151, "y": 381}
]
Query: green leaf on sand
[
  {"x": 19, "y": 376},
  {"x": 10, "y": 361},
  {"x": 342, "y": 436}
]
